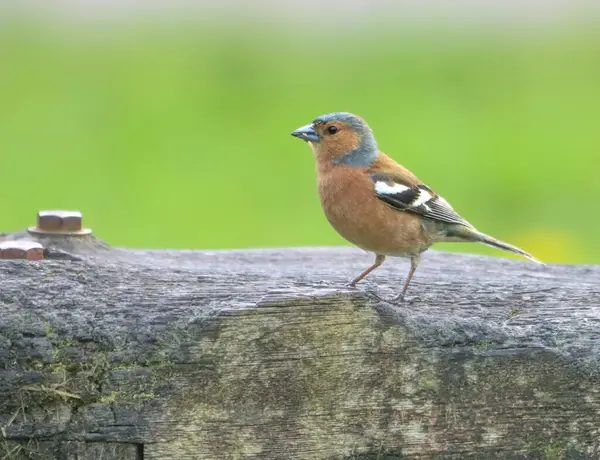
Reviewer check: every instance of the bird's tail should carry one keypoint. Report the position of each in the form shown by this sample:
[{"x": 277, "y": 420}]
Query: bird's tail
[{"x": 470, "y": 234}]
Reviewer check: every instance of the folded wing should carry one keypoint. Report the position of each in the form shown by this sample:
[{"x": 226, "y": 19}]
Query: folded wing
[{"x": 418, "y": 199}]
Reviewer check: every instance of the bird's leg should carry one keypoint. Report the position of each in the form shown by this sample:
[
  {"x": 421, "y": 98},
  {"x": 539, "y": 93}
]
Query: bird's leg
[
  {"x": 378, "y": 261},
  {"x": 414, "y": 263}
]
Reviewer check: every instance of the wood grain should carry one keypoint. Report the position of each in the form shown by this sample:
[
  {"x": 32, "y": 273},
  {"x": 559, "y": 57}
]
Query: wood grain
[{"x": 264, "y": 354}]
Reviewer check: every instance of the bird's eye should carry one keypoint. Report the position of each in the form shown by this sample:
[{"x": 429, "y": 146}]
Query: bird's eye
[{"x": 332, "y": 129}]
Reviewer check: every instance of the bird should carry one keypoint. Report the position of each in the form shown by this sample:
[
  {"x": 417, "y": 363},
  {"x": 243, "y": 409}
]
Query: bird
[{"x": 377, "y": 204}]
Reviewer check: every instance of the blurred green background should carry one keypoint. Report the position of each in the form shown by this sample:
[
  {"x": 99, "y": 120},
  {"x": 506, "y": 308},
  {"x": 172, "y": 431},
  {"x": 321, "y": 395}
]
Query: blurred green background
[{"x": 176, "y": 135}]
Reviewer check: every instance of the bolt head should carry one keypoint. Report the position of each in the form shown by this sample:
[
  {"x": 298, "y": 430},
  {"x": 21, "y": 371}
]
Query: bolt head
[
  {"x": 59, "y": 222},
  {"x": 21, "y": 249}
]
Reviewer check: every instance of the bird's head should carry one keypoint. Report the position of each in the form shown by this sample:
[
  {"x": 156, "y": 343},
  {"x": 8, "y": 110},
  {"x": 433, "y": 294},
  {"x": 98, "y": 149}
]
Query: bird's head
[{"x": 342, "y": 138}]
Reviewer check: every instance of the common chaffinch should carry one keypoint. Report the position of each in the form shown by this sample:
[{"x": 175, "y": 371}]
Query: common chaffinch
[{"x": 377, "y": 204}]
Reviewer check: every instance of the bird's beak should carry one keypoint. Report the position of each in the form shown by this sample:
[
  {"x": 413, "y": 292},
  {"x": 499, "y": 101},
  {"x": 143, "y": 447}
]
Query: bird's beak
[{"x": 307, "y": 133}]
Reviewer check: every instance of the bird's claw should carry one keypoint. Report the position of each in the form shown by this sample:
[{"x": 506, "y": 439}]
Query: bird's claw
[
  {"x": 399, "y": 298},
  {"x": 403, "y": 298}
]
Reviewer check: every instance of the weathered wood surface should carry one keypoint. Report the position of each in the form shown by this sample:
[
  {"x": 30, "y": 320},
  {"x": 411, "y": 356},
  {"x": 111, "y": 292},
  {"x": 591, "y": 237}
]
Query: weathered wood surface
[{"x": 264, "y": 354}]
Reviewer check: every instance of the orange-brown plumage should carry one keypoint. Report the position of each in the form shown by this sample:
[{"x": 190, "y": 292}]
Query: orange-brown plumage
[
  {"x": 376, "y": 203},
  {"x": 355, "y": 212}
]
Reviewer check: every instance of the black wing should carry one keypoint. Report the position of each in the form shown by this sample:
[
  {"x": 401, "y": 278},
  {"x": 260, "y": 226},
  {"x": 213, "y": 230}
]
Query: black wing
[{"x": 419, "y": 199}]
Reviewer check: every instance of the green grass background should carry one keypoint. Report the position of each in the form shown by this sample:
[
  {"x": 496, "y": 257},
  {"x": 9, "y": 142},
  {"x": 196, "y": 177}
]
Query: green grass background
[{"x": 179, "y": 137}]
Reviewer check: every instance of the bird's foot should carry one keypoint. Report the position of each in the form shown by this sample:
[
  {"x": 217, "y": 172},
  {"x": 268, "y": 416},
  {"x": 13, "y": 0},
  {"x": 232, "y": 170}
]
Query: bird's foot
[
  {"x": 398, "y": 299},
  {"x": 404, "y": 299}
]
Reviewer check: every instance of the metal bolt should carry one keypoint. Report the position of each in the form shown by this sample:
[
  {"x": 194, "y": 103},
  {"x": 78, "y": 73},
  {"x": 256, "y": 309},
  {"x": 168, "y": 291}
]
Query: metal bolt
[
  {"x": 21, "y": 249},
  {"x": 59, "y": 223}
]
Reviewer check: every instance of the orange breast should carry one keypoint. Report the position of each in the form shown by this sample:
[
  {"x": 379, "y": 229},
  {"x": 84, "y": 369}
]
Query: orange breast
[{"x": 355, "y": 212}]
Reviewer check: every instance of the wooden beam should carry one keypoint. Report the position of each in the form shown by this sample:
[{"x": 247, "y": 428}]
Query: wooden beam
[{"x": 265, "y": 354}]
